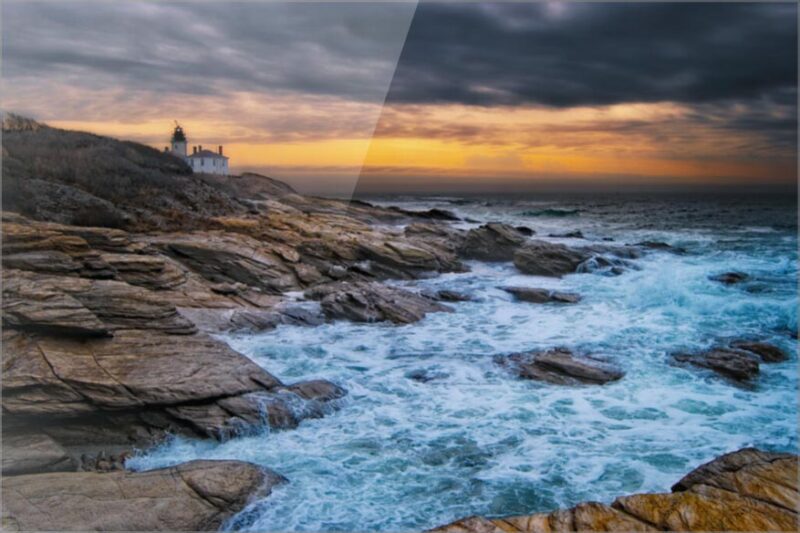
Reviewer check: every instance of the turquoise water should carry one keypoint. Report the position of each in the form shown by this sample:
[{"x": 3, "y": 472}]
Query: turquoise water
[{"x": 403, "y": 455}]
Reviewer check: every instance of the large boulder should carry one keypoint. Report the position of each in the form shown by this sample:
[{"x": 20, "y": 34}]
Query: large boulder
[
  {"x": 542, "y": 258},
  {"x": 734, "y": 364},
  {"x": 492, "y": 242},
  {"x": 373, "y": 302},
  {"x": 747, "y": 490},
  {"x": 194, "y": 496},
  {"x": 561, "y": 367}
]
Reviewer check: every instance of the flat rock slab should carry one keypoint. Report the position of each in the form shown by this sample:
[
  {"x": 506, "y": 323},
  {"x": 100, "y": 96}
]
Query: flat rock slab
[
  {"x": 80, "y": 307},
  {"x": 561, "y": 367},
  {"x": 373, "y": 302},
  {"x": 734, "y": 364},
  {"x": 194, "y": 496},
  {"x": 37, "y": 452},
  {"x": 747, "y": 490},
  {"x": 542, "y": 296}
]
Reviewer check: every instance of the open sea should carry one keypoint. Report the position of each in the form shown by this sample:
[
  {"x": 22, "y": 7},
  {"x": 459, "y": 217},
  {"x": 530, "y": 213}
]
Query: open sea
[{"x": 401, "y": 455}]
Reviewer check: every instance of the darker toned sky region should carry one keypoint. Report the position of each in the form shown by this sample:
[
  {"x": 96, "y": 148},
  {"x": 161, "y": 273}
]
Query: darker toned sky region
[{"x": 429, "y": 97}]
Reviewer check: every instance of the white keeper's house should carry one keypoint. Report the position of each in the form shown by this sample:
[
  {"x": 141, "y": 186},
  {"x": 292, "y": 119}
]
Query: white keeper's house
[{"x": 201, "y": 161}]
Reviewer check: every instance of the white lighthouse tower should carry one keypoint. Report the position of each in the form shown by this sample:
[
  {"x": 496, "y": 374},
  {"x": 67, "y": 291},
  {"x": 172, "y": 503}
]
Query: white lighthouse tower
[{"x": 178, "y": 141}]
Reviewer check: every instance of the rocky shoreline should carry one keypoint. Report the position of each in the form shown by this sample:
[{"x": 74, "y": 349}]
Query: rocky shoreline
[
  {"x": 747, "y": 490},
  {"x": 108, "y": 327}
]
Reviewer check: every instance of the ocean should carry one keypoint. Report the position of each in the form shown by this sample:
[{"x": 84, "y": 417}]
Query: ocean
[{"x": 402, "y": 455}]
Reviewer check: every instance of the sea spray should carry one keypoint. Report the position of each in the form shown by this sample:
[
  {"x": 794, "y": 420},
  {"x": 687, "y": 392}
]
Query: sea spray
[{"x": 406, "y": 454}]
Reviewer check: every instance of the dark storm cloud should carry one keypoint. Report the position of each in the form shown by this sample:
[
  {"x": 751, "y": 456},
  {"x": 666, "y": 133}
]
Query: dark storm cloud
[
  {"x": 549, "y": 54},
  {"x": 346, "y": 50},
  {"x": 595, "y": 54}
]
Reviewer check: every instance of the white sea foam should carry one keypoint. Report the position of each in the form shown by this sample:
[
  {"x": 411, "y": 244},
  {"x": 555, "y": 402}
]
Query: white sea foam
[{"x": 404, "y": 455}]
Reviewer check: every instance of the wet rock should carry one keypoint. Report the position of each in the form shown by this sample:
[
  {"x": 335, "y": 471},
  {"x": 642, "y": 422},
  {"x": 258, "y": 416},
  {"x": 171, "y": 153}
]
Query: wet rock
[
  {"x": 280, "y": 408},
  {"x": 492, "y": 242},
  {"x": 542, "y": 258},
  {"x": 423, "y": 375},
  {"x": 34, "y": 452},
  {"x": 568, "y": 235},
  {"x": 734, "y": 364},
  {"x": 561, "y": 367},
  {"x": 447, "y": 296},
  {"x": 193, "y": 496},
  {"x": 100, "y": 462},
  {"x": 453, "y": 296},
  {"x": 430, "y": 214},
  {"x": 730, "y": 278},
  {"x": 769, "y": 353},
  {"x": 318, "y": 390},
  {"x": 658, "y": 245},
  {"x": 541, "y": 296},
  {"x": 747, "y": 490},
  {"x": 608, "y": 266},
  {"x": 373, "y": 302},
  {"x": 525, "y": 230}
]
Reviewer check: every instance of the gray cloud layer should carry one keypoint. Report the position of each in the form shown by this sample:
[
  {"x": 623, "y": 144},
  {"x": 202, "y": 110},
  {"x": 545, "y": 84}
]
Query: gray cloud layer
[
  {"x": 348, "y": 50},
  {"x": 589, "y": 54},
  {"x": 489, "y": 53}
]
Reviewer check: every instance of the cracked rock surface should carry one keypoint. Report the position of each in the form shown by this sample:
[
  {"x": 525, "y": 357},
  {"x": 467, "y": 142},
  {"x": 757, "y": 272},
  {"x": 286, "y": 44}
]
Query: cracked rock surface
[
  {"x": 747, "y": 490},
  {"x": 193, "y": 496}
]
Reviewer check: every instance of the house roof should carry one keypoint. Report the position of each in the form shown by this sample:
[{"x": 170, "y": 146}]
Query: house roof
[{"x": 207, "y": 153}]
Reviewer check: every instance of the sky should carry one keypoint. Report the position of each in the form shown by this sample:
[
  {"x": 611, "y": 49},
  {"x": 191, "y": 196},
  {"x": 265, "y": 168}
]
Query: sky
[{"x": 426, "y": 97}]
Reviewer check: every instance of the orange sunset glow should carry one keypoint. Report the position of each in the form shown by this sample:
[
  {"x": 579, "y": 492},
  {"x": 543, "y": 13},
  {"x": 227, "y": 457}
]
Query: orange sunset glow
[{"x": 405, "y": 115}]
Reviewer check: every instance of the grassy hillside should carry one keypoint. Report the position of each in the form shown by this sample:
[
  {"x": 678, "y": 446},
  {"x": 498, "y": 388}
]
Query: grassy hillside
[{"x": 84, "y": 179}]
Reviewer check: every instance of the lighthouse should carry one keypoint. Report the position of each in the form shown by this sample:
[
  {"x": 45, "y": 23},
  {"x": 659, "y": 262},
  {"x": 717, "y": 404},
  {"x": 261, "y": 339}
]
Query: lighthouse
[
  {"x": 202, "y": 161},
  {"x": 178, "y": 141}
]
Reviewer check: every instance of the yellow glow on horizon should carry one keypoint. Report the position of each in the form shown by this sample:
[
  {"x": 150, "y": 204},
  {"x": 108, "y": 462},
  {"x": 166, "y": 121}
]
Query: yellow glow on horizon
[{"x": 656, "y": 140}]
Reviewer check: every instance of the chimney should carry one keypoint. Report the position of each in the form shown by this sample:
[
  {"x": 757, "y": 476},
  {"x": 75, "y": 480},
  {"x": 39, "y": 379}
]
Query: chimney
[
  {"x": 220, "y": 149},
  {"x": 199, "y": 147},
  {"x": 194, "y": 149}
]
